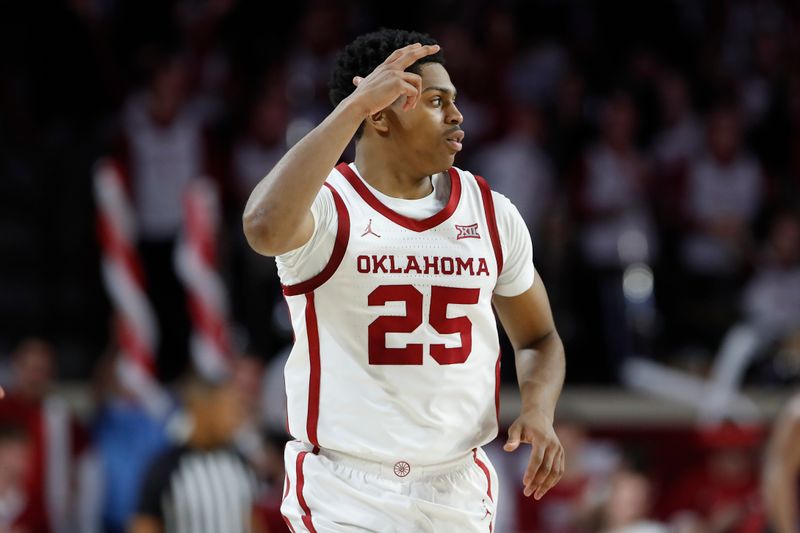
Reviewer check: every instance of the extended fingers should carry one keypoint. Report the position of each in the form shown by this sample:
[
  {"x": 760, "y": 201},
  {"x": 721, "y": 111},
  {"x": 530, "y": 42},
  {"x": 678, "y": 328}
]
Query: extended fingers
[
  {"x": 410, "y": 55},
  {"x": 415, "y": 81},
  {"x": 400, "y": 51},
  {"x": 553, "y": 477},
  {"x": 538, "y": 456},
  {"x": 544, "y": 469}
]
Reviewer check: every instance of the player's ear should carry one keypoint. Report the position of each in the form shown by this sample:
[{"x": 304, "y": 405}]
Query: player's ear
[{"x": 379, "y": 122}]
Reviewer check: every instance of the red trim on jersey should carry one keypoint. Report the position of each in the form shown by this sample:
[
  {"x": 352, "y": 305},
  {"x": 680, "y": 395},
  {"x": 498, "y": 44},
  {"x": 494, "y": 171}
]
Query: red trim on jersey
[
  {"x": 300, "y": 482},
  {"x": 314, "y": 373},
  {"x": 497, "y": 387},
  {"x": 339, "y": 247},
  {"x": 288, "y": 524},
  {"x": 491, "y": 219},
  {"x": 394, "y": 216}
]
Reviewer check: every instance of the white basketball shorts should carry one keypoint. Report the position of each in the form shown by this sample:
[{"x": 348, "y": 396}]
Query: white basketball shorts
[{"x": 329, "y": 492}]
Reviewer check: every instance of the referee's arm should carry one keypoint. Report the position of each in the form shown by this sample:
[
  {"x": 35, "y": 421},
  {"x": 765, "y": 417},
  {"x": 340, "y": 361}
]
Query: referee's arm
[{"x": 148, "y": 516}]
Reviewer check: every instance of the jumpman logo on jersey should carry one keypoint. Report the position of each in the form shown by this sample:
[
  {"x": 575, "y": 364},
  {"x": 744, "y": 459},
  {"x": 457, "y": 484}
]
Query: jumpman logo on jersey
[{"x": 368, "y": 230}]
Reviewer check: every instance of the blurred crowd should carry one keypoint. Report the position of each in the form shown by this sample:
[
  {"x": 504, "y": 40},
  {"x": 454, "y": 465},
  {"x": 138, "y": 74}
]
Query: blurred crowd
[
  {"x": 103, "y": 471},
  {"x": 653, "y": 149},
  {"x": 111, "y": 469}
]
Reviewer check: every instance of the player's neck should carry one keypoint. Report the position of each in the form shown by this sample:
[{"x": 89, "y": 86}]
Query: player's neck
[{"x": 393, "y": 178}]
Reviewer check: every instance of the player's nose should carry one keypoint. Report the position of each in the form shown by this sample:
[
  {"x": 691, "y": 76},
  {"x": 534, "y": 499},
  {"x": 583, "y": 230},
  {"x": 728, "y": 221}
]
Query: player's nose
[{"x": 454, "y": 116}]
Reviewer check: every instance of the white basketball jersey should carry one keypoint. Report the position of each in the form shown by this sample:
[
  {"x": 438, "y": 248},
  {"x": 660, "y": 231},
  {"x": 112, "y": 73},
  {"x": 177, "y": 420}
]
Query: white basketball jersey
[{"x": 396, "y": 353}]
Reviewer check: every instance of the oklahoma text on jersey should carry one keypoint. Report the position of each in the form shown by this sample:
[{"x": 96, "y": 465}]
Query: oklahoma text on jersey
[{"x": 423, "y": 264}]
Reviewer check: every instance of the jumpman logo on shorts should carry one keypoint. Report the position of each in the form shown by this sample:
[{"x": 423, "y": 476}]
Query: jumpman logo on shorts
[
  {"x": 368, "y": 230},
  {"x": 486, "y": 509}
]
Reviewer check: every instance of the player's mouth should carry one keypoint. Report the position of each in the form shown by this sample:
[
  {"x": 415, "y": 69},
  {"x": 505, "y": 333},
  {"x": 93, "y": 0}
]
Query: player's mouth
[{"x": 454, "y": 140}]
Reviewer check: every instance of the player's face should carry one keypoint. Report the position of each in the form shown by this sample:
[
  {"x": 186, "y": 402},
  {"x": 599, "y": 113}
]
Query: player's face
[{"x": 431, "y": 132}]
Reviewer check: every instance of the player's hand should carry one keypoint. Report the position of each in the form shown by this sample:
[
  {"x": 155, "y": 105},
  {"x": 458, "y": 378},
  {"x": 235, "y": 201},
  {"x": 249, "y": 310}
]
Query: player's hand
[
  {"x": 389, "y": 81},
  {"x": 546, "y": 464}
]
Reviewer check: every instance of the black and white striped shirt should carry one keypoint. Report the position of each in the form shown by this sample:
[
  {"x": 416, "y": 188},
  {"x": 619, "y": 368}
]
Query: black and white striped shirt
[{"x": 192, "y": 491}]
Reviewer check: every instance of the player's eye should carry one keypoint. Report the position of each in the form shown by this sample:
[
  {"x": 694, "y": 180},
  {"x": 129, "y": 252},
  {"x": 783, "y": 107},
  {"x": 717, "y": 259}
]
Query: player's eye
[{"x": 436, "y": 101}]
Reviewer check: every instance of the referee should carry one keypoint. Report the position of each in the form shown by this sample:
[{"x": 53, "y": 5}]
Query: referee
[{"x": 204, "y": 485}]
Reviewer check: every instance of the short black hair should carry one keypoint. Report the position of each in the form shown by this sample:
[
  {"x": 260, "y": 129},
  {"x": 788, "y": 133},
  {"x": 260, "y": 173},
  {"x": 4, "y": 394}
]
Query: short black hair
[{"x": 364, "y": 54}]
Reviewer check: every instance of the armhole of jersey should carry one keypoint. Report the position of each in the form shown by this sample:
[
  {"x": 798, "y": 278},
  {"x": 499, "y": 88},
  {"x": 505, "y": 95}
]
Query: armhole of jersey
[
  {"x": 339, "y": 247},
  {"x": 491, "y": 220}
]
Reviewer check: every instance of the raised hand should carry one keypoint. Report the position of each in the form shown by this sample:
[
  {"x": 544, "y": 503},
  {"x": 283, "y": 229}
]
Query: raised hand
[
  {"x": 546, "y": 464},
  {"x": 389, "y": 81}
]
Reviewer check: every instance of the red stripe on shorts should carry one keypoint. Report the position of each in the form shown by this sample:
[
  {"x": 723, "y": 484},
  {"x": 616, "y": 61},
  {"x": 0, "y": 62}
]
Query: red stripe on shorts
[
  {"x": 485, "y": 469},
  {"x": 299, "y": 487}
]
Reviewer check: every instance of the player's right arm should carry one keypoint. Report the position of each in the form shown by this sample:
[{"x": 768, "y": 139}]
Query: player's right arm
[
  {"x": 782, "y": 471},
  {"x": 277, "y": 218}
]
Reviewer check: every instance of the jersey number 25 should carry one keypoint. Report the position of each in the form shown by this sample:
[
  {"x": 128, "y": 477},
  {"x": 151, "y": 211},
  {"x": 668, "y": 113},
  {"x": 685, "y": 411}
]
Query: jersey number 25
[{"x": 411, "y": 354}]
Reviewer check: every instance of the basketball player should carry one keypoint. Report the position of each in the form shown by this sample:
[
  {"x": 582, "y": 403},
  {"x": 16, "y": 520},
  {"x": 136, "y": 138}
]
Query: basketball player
[{"x": 390, "y": 266}]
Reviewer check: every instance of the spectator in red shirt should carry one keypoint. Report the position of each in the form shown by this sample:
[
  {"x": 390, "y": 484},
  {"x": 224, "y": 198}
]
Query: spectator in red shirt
[
  {"x": 56, "y": 439},
  {"x": 721, "y": 492},
  {"x": 14, "y": 465}
]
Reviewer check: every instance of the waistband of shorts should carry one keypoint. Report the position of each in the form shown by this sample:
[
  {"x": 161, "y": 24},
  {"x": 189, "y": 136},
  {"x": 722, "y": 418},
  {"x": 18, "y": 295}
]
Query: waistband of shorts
[{"x": 401, "y": 469}]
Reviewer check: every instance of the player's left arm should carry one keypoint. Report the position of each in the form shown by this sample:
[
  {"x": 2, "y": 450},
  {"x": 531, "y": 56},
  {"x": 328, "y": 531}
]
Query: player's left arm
[{"x": 540, "y": 363}]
